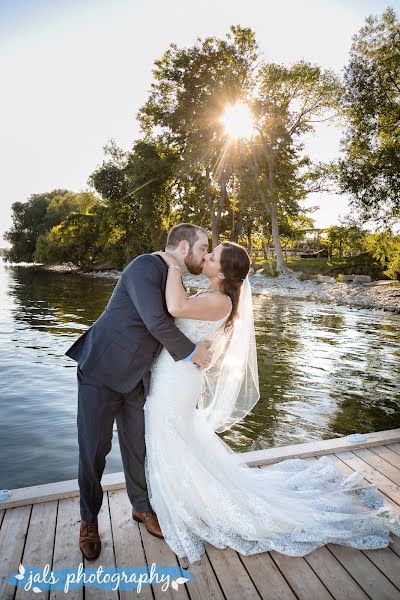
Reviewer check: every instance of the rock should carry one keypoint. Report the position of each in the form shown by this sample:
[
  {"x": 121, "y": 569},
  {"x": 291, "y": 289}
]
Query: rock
[
  {"x": 290, "y": 274},
  {"x": 325, "y": 278},
  {"x": 362, "y": 279},
  {"x": 384, "y": 282},
  {"x": 357, "y": 278}
]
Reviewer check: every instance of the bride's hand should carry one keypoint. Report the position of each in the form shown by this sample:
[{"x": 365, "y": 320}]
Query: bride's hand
[{"x": 167, "y": 258}]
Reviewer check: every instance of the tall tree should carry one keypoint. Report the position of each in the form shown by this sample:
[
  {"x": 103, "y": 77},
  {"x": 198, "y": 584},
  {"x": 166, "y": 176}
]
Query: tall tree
[
  {"x": 29, "y": 222},
  {"x": 190, "y": 92},
  {"x": 136, "y": 189},
  {"x": 370, "y": 169},
  {"x": 290, "y": 101}
]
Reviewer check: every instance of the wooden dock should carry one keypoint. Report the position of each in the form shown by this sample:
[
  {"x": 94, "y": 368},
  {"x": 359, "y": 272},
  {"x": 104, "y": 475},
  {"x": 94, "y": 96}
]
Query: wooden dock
[{"x": 40, "y": 525}]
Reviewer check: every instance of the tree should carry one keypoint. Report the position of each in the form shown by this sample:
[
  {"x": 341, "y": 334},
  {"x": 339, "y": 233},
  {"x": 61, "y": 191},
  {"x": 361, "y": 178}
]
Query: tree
[
  {"x": 136, "y": 190},
  {"x": 385, "y": 248},
  {"x": 370, "y": 169},
  {"x": 290, "y": 100},
  {"x": 29, "y": 222},
  {"x": 191, "y": 89},
  {"x": 345, "y": 241},
  {"x": 62, "y": 205},
  {"x": 34, "y": 218},
  {"x": 74, "y": 240}
]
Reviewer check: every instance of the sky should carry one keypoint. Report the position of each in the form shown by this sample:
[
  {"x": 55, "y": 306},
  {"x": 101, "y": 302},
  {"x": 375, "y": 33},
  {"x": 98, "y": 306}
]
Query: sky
[{"x": 75, "y": 72}]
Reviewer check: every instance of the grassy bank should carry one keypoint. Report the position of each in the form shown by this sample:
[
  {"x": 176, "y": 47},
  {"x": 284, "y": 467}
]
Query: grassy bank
[{"x": 349, "y": 265}]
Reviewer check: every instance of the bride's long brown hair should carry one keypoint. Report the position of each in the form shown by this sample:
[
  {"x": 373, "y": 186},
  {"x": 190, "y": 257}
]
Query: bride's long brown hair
[{"x": 235, "y": 265}]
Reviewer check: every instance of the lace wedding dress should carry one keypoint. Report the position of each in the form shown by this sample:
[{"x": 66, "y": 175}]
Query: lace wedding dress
[{"x": 201, "y": 492}]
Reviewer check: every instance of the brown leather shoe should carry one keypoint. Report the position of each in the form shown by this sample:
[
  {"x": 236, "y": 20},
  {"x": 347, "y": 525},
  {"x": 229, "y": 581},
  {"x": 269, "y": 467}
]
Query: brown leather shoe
[
  {"x": 149, "y": 518},
  {"x": 89, "y": 540}
]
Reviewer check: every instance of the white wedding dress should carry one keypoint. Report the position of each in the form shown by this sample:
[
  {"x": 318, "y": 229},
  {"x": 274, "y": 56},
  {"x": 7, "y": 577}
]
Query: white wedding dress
[{"x": 201, "y": 492}]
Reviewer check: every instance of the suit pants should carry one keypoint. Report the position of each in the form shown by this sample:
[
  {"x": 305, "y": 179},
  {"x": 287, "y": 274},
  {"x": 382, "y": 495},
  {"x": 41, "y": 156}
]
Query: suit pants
[{"x": 98, "y": 406}]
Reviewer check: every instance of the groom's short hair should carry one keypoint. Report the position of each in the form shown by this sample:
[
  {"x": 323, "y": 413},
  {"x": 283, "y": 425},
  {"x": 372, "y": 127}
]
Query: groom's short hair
[{"x": 184, "y": 231}]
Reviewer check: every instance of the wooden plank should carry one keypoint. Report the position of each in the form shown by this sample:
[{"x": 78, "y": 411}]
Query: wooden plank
[
  {"x": 157, "y": 551},
  {"x": 328, "y": 569},
  {"x": 381, "y": 465},
  {"x": 116, "y": 481},
  {"x": 106, "y": 558},
  {"x": 128, "y": 547},
  {"x": 267, "y": 578},
  {"x": 232, "y": 576},
  {"x": 395, "y": 447},
  {"x": 332, "y": 574},
  {"x": 301, "y": 577},
  {"x": 205, "y": 585},
  {"x": 58, "y": 490},
  {"x": 38, "y": 551},
  {"x": 12, "y": 540},
  {"x": 66, "y": 544},
  {"x": 395, "y": 544},
  {"x": 371, "y": 475},
  {"x": 335, "y": 576},
  {"x": 395, "y": 540},
  {"x": 388, "y": 562},
  {"x": 317, "y": 448},
  {"x": 369, "y": 578},
  {"x": 386, "y": 453},
  {"x": 327, "y": 572}
]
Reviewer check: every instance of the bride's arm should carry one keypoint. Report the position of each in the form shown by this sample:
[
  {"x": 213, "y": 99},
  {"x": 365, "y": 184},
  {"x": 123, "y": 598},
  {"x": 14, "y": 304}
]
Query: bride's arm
[{"x": 208, "y": 307}]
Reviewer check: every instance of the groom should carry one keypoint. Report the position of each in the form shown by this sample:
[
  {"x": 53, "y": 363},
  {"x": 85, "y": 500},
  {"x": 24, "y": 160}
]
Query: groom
[{"x": 114, "y": 358}]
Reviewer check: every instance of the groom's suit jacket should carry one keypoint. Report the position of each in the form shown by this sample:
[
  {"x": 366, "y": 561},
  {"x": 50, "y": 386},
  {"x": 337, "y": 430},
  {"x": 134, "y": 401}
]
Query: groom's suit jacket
[{"x": 120, "y": 347}]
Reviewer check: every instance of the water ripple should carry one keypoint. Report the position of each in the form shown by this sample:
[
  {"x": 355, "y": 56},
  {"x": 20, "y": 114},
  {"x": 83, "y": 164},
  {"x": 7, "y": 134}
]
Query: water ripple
[{"x": 325, "y": 370}]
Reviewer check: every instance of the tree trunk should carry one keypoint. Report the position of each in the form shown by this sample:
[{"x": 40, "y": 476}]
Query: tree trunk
[
  {"x": 265, "y": 249},
  {"x": 280, "y": 261},
  {"x": 212, "y": 207},
  {"x": 272, "y": 207},
  {"x": 266, "y": 240},
  {"x": 214, "y": 228},
  {"x": 235, "y": 229},
  {"x": 249, "y": 244},
  {"x": 216, "y": 211}
]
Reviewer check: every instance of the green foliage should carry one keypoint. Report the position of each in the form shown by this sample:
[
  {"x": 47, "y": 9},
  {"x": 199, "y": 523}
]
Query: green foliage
[
  {"x": 363, "y": 264},
  {"x": 29, "y": 222},
  {"x": 385, "y": 248},
  {"x": 32, "y": 220},
  {"x": 74, "y": 240},
  {"x": 137, "y": 190},
  {"x": 371, "y": 165},
  {"x": 245, "y": 187},
  {"x": 191, "y": 89},
  {"x": 345, "y": 241}
]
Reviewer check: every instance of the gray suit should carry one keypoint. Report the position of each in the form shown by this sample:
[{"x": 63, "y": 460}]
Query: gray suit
[{"x": 114, "y": 358}]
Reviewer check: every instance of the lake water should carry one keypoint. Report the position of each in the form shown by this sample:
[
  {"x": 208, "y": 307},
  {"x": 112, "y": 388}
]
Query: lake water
[{"x": 325, "y": 371}]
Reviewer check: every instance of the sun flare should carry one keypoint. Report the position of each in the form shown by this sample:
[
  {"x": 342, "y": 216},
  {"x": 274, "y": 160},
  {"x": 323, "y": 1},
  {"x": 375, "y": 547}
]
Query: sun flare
[{"x": 238, "y": 121}]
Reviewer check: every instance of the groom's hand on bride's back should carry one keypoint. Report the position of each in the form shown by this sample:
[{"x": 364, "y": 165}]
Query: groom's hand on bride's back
[{"x": 202, "y": 355}]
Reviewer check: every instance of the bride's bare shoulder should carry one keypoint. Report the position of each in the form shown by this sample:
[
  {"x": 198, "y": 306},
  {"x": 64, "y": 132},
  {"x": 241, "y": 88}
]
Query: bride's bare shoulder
[{"x": 206, "y": 305}]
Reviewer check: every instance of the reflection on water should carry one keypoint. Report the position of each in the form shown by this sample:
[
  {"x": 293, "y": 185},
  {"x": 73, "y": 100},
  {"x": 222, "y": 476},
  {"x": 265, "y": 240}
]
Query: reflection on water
[{"x": 325, "y": 371}]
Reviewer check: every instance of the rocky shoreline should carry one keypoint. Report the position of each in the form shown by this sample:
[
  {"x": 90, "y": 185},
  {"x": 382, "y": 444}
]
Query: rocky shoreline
[{"x": 383, "y": 294}]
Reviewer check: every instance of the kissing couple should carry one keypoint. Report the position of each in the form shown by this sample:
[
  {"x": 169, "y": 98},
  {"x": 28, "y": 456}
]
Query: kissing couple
[{"x": 174, "y": 370}]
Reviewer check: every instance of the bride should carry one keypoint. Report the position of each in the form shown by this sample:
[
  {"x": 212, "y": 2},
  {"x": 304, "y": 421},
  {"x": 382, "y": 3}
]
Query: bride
[{"x": 197, "y": 486}]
